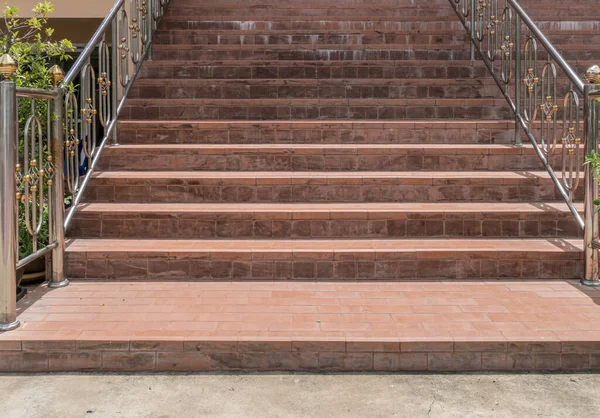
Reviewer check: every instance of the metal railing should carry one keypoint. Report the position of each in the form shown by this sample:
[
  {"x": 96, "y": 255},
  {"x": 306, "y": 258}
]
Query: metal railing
[
  {"x": 550, "y": 102},
  {"x": 61, "y": 149}
]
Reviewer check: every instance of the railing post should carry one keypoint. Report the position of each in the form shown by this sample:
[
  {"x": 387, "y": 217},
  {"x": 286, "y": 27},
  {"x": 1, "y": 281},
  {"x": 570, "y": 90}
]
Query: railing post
[
  {"x": 8, "y": 206},
  {"x": 472, "y": 28},
  {"x": 150, "y": 24},
  {"x": 590, "y": 134},
  {"x": 58, "y": 199},
  {"x": 114, "y": 87},
  {"x": 519, "y": 77}
]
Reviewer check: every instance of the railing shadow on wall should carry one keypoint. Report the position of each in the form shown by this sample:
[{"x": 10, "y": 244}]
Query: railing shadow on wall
[
  {"x": 46, "y": 164},
  {"x": 553, "y": 107}
]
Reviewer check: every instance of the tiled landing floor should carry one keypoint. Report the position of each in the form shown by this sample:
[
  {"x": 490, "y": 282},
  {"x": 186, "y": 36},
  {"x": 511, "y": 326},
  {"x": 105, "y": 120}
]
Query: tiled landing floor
[{"x": 424, "y": 325}]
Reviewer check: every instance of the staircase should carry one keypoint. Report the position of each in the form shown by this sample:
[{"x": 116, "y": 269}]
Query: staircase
[
  {"x": 319, "y": 185},
  {"x": 317, "y": 141}
]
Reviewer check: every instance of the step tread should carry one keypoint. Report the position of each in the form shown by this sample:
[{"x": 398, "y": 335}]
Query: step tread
[
  {"x": 311, "y": 149},
  {"x": 305, "y": 101},
  {"x": 312, "y": 47},
  {"x": 156, "y": 82},
  {"x": 358, "y": 148},
  {"x": 498, "y": 176},
  {"x": 408, "y": 123},
  {"x": 514, "y": 245},
  {"x": 474, "y": 325},
  {"x": 432, "y": 208}
]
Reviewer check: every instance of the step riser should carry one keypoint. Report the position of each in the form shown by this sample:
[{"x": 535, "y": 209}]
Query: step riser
[
  {"x": 553, "y": 29},
  {"x": 320, "y": 70},
  {"x": 285, "y": 134},
  {"x": 283, "y": 4},
  {"x": 181, "y": 160},
  {"x": 322, "y": 266},
  {"x": 294, "y": 89},
  {"x": 194, "y": 191},
  {"x": 213, "y": 110},
  {"x": 348, "y": 226},
  {"x": 191, "y": 38},
  {"x": 197, "y": 13},
  {"x": 216, "y": 54},
  {"x": 443, "y": 26}
]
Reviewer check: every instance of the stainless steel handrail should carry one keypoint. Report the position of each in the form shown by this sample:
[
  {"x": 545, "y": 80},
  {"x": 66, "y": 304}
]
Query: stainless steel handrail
[{"x": 92, "y": 44}]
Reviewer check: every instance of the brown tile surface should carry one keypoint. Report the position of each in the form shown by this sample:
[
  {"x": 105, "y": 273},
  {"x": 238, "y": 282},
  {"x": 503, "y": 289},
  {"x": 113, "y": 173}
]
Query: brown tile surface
[{"x": 138, "y": 326}]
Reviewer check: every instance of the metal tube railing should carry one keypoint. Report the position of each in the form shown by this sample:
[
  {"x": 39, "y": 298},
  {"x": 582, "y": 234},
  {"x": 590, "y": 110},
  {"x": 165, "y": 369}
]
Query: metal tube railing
[
  {"x": 59, "y": 162},
  {"x": 507, "y": 40},
  {"x": 8, "y": 206}
]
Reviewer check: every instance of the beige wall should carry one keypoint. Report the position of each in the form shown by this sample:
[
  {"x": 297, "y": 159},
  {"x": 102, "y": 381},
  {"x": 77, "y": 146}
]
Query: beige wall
[{"x": 67, "y": 8}]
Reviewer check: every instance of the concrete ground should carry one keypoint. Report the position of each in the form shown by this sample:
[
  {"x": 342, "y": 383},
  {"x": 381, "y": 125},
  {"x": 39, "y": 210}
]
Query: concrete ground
[{"x": 300, "y": 395}]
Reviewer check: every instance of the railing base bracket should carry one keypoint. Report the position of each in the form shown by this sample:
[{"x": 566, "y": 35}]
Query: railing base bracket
[
  {"x": 592, "y": 283},
  {"x": 56, "y": 285},
  {"x": 11, "y": 326}
]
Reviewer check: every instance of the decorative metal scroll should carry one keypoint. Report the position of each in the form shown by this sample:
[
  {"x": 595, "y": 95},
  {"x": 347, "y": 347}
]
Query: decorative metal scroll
[
  {"x": 530, "y": 79},
  {"x": 34, "y": 174},
  {"x": 72, "y": 160},
  {"x": 548, "y": 109},
  {"x": 506, "y": 46},
  {"x": 571, "y": 141}
]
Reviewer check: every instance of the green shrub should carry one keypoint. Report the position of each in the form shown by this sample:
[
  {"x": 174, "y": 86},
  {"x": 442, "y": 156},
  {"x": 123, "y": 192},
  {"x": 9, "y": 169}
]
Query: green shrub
[{"x": 29, "y": 42}]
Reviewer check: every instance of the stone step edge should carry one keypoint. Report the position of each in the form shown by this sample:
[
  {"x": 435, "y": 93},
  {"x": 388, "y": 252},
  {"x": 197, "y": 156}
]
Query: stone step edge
[
  {"x": 347, "y": 211},
  {"x": 328, "y": 249},
  {"x": 333, "y": 177},
  {"x": 321, "y": 63},
  {"x": 158, "y": 102},
  {"x": 292, "y": 82},
  {"x": 375, "y": 124},
  {"x": 315, "y": 47},
  {"x": 458, "y": 30},
  {"x": 318, "y": 149}
]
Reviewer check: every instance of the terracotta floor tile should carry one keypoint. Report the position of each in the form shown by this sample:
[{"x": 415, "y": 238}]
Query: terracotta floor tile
[{"x": 415, "y": 311}]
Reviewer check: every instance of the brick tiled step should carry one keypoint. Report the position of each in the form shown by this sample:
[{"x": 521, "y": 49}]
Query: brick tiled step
[
  {"x": 324, "y": 109},
  {"x": 306, "y": 326},
  {"x": 312, "y": 52},
  {"x": 305, "y": 221},
  {"x": 322, "y": 157},
  {"x": 160, "y": 88},
  {"x": 369, "y": 69},
  {"x": 324, "y": 259},
  {"x": 315, "y": 132},
  {"x": 279, "y": 187},
  {"x": 291, "y": 37}
]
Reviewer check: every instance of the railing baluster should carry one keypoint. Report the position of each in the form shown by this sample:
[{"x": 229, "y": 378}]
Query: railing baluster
[
  {"x": 114, "y": 87},
  {"x": 519, "y": 77},
  {"x": 590, "y": 135}
]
